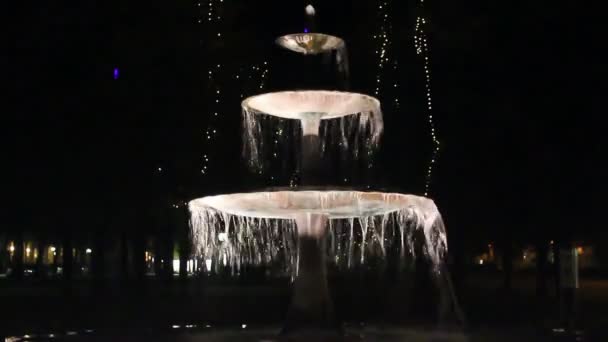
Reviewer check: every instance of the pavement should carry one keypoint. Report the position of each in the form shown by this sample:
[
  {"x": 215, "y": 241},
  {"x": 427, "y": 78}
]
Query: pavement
[{"x": 150, "y": 312}]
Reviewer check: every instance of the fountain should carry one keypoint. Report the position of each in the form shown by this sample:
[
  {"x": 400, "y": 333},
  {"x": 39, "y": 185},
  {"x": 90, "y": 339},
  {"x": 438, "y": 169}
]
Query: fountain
[{"x": 305, "y": 230}]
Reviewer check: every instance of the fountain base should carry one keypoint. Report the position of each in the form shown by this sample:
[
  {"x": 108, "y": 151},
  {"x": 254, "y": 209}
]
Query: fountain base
[{"x": 311, "y": 308}]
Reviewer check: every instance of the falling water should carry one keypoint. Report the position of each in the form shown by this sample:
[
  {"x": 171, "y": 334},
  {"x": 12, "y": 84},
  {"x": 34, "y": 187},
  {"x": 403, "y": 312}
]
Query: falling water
[
  {"x": 235, "y": 239},
  {"x": 342, "y": 62},
  {"x": 319, "y": 44},
  {"x": 352, "y": 122}
]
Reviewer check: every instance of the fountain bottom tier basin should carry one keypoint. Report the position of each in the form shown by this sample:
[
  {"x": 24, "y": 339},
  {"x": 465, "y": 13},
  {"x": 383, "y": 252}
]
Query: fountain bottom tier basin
[
  {"x": 304, "y": 230},
  {"x": 333, "y": 204}
]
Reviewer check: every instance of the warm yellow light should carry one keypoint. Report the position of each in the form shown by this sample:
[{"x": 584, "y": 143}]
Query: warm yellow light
[
  {"x": 11, "y": 248},
  {"x": 53, "y": 249},
  {"x": 579, "y": 250}
]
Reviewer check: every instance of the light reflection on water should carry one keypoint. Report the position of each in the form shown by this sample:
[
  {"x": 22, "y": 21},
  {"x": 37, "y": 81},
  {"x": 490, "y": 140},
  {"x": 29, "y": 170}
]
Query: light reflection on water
[
  {"x": 46, "y": 336},
  {"x": 264, "y": 334}
]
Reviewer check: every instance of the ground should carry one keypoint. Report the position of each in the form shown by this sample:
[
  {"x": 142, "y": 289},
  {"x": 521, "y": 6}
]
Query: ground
[{"x": 149, "y": 308}]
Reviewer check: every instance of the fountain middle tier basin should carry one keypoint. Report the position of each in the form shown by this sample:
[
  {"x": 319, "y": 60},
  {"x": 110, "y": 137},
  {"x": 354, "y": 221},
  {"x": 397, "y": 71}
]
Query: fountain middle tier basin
[
  {"x": 347, "y": 121},
  {"x": 325, "y": 103}
]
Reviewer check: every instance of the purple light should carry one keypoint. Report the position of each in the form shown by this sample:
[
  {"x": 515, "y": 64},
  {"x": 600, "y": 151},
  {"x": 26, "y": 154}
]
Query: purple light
[
  {"x": 306, "y": 30},
  {"x": 116, "y": 73}
]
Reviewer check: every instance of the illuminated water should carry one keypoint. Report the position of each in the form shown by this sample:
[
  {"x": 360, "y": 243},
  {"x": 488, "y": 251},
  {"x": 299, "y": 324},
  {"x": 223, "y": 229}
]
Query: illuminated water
[
  {"x": 260, "y": 228},
  {"x": 349, "y": 120},
  {"x": 315, "y": 44},
  {"x": 300, "y": 232}
]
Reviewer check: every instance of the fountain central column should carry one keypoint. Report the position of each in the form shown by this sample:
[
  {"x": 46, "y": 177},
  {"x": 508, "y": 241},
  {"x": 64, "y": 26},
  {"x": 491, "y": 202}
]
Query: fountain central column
[
  {"x": 311, "y": 308},
  {"x": 310, "y": 164}
]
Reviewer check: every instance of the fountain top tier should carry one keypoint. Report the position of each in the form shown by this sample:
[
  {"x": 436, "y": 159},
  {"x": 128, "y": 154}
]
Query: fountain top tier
[
  {"x": 311, "y": 43},
  {"x": 333, "y": 204}
]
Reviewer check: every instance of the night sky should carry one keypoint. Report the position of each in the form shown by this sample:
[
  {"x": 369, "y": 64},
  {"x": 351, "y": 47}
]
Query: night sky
[{"x": 518, "y": 92}]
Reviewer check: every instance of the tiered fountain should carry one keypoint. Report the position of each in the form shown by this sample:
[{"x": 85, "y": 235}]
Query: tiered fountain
[{"x": 305, "y": 230}]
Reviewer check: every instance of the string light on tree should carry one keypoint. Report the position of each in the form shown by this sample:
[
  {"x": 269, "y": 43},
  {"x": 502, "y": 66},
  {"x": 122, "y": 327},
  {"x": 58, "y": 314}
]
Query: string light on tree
[
  {"x": 387, "y": 64},
  {"x": 211, "y": 131},
  {"x": 387, "y": 67},
  {"x": 263, "y": 76},
  {"x": 384, "y": 50},
  {"x": 221, "y": 79},
  {"x": 214, "y": 77},
  {"x": 422, "y": 49}
]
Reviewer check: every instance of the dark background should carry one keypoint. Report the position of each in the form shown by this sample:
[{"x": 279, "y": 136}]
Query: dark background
[
  {"x": 518, "y": 93},
  {"x": 517, "y": 90}
]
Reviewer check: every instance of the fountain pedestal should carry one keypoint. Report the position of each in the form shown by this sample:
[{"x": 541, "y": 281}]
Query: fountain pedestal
[
  {"x": 311, "y": 307},
  {"x": 310, "y": 162},
  {"x": 310, "y": 173}
]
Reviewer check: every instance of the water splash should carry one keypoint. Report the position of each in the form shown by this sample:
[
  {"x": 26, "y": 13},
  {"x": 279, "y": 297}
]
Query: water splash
[{"x": 310, "y": 10}]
